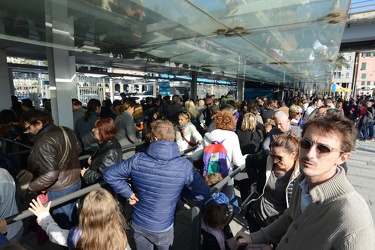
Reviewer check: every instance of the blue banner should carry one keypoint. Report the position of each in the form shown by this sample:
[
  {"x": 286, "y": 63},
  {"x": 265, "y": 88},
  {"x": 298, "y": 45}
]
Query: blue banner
[{"x": 165, "y": 88}]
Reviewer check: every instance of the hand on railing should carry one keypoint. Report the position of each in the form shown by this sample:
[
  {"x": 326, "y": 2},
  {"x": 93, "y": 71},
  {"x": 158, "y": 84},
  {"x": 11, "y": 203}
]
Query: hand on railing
[{"x": 36, "y": 207}]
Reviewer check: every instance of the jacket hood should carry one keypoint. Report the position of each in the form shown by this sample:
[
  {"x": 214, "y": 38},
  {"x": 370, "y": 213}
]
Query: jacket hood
[{"x": 163, "y": 150}]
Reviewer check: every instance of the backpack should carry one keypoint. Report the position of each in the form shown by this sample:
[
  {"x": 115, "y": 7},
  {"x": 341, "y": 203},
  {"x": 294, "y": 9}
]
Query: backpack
[
  {"x": 370, "y": 117},
  {"x": 215, "y": 159}
]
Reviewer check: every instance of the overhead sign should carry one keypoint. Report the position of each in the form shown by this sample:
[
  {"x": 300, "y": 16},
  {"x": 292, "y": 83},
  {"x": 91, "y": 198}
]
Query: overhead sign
[{"x": 165, "y": 88}]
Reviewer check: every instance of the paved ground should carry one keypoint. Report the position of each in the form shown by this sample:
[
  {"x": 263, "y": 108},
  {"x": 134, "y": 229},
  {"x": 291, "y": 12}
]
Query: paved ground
[{"x": 361, "y": 174}]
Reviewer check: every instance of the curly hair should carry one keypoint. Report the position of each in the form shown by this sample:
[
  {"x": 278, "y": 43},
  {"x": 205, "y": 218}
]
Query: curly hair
[
  {"x": 102, "y": 222},
  {"x": 225, "y": 120}
]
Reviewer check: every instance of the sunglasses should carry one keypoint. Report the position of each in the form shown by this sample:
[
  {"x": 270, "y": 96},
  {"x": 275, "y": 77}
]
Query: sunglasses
[
  {"x": 209, "y": 104},
  {"x": 27, "y": 128},
  {"x": 298, "y": 113},
  {"x": 306, "y": 144},
  {"x": 278, "y": 157}
]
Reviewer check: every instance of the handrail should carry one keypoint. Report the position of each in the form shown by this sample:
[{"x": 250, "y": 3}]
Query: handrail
[
  {"x": 16, "y": 142},
  {"x": 188, "y": 150},
  {"x": 71, "y": 196},
  {"x": 226, "y": 179},
  {"x": 125, "y": 147},
  {"x": 56, "y": 202},
  {"x": 196, "y": 210}
]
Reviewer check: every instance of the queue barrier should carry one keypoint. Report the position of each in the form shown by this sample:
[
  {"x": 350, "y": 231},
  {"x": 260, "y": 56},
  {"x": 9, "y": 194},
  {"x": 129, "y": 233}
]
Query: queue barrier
[{"x": 196, "y": 208}]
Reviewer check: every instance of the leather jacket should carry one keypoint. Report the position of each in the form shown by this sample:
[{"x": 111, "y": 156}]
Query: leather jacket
[
  {"x": 106, "y": 155},
  {"x": 54, "y": 160}
]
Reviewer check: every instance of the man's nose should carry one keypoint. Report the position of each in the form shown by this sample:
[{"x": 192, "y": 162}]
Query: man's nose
[{"x": 311, "y": 152}]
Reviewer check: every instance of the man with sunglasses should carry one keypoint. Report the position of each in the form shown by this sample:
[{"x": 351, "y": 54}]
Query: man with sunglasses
[
  {"x": 325, "y": 211},
  {"x": 54, "y": 162},
  {"x": 206, "y": 116}
]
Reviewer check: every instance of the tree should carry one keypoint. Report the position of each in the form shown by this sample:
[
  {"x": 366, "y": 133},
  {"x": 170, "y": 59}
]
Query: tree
[{"x": 340, "y": 62}]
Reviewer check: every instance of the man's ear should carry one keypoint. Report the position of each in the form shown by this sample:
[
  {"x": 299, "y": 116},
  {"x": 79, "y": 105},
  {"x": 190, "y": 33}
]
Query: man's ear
[
  {"x": 154, "y": 138},
  {"x": 343, "y": 158}
]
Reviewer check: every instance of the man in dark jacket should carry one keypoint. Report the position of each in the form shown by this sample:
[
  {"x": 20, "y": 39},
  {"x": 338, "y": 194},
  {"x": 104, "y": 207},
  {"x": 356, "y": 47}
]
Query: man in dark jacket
[
  {"x": 172, "y": 110},
  {"x": 54, "y": 162},
  {"x": 158, "y": 177}
]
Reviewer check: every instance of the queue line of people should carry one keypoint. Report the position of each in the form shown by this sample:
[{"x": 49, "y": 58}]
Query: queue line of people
[{"x": 225, "y": 124}]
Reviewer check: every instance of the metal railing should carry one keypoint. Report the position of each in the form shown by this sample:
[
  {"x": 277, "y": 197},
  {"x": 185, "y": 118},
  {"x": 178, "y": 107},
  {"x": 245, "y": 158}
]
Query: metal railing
[
  {"x": 74, "y": 195},
  {"x": 196, "y": 209}
]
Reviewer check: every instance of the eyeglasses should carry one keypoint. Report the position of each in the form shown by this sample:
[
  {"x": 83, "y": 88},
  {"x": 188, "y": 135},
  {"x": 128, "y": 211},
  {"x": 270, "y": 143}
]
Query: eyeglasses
[
  {"x": 278, "y": 157},
  {"x": 306, "y": 144},
  {"x": 27, "y": 128}
]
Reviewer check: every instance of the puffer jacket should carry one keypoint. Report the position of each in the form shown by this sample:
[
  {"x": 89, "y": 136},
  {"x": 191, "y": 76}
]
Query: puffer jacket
[
  {"x": 158, "y": 177},
  {"x": 106, "y": 155},
  {"x": 54, "y": 170}
]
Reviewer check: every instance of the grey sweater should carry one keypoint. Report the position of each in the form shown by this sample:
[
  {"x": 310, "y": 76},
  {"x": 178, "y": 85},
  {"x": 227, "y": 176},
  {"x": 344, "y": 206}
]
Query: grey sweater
[{"x": 337, "y": 218}]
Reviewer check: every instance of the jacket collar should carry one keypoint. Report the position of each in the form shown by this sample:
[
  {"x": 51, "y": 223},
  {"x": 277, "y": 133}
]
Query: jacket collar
[
  {"x": 331, "y": 189},
  {"x": 163, "y": 150},
  {"x": 43, "y": 130}
]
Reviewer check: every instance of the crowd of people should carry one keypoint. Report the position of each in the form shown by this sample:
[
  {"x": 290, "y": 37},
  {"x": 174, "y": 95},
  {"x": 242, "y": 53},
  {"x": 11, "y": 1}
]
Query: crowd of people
[{"x": 293, "y": 184}]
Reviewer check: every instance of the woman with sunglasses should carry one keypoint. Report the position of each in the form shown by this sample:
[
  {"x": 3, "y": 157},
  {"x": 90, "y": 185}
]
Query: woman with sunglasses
[
  {"x": 295, "y": 115},
  {"x": 273, "y": 177},
  {"x": 187, "y": 136}
]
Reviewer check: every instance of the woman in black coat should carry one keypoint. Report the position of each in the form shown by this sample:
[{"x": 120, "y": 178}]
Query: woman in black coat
[
  {"x": 108, "y": 153},
  {"x": 250, "y": 139}
]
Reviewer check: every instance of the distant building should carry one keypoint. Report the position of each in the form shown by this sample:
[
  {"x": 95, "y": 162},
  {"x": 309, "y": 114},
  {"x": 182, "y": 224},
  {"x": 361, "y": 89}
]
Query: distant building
[
  {"x": 344, "y": 77},
  {"x": 365, "y": 79}
]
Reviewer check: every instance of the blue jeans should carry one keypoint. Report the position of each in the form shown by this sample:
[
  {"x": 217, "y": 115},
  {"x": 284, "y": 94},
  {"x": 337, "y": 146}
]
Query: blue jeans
[
  {"x": 146, "y": 240},
  {"x": 65, "y": 214},
  {"x": 371, "y": 129}
]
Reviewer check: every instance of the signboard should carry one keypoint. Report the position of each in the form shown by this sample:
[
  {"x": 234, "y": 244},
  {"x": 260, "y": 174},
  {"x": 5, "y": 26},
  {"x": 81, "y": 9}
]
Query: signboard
[
  {"x": 251, "y": 93},
  {"x": 165, "y": 88}
]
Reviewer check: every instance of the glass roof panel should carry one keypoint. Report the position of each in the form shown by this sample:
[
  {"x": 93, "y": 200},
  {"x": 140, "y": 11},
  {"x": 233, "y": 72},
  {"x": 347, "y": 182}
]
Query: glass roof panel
[{"x": 272, "y": 41}]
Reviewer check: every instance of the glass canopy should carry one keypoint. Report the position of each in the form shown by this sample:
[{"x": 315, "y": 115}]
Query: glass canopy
[{"x": 291, "y": 42}]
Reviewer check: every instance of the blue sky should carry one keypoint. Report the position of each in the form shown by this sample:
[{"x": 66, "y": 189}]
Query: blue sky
[{"x": 362, "y": 6}]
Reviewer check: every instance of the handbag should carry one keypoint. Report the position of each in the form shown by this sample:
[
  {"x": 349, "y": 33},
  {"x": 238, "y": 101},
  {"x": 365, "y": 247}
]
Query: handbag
[{"x": 24, "y": 176}]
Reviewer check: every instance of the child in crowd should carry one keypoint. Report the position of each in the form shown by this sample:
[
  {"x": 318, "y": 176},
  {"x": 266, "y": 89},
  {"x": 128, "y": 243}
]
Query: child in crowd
[
  {"x": 213, "y": 179},
  {"x": 214, "y": 227},
  {"x": 101, "y": 224}
]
